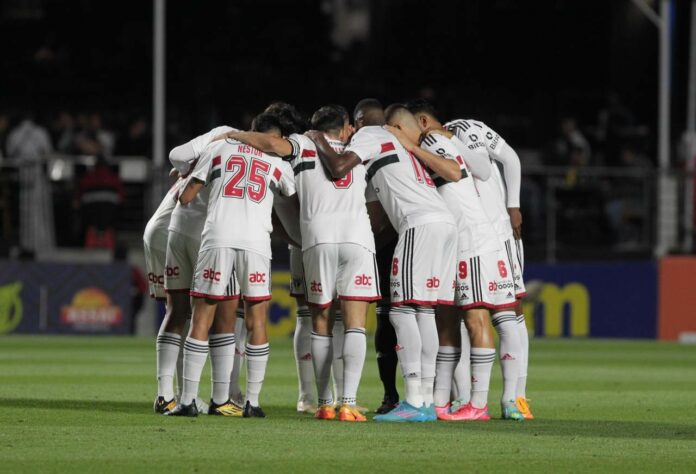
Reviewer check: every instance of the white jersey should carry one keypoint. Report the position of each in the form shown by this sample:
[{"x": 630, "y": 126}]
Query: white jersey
[
  {"x": 159, "y": 222},
  {"x": 398, "y": 180},
  {"x": 242, "y": 181},
  {"x": 190, "y": 219},
  {"x": 331, "y": 211},
  {"x": 491, "y": 192},
  {"x": 476, "y": 233}
]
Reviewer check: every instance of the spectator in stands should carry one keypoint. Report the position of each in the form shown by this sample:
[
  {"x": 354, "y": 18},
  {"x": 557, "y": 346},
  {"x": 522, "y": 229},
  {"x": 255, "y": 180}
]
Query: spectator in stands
[
  {"x": 93, "y": 139},
  {"x": 28, "y": 139},
  {"x": 64, "y": 133},
  {"x": 99, "y": 195},
  {"x": 572, "y": 148},
  {"x": 136, "y": 141}
]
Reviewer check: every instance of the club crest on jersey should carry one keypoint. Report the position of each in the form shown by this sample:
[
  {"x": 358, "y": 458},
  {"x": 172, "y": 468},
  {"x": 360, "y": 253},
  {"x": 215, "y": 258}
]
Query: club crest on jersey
[
  {"x": 257, "y": 278},
  {"x": 315, "y": 287},
  {"x": 211, "y": 274},
  {"x": 363, "y": 280}
]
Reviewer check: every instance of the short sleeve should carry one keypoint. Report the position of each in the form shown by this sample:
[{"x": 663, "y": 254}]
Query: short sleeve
[
  {"x": 365, "y": 145},
  {"x": 285, "y": 178},
  {"x": 442, "y": 146}
]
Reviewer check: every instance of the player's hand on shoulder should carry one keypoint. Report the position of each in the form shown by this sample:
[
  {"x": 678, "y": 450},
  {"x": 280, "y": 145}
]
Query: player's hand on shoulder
[
  {"x": 401, "y": 136},
  {"x": 314, "y": 135}
]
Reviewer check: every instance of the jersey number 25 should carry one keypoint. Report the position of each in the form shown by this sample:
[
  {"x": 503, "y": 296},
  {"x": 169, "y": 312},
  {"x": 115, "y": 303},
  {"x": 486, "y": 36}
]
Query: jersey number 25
[{"x": 255, "y": 180}]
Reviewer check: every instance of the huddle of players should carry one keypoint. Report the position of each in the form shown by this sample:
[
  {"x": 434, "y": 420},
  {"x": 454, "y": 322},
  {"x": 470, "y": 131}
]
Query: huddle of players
[{"x": 450, "y": 267}]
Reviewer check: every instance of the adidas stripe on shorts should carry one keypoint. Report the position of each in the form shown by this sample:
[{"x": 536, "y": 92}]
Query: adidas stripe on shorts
[
  {"x": 424, "y": 265},
  {"x": 515, "y": 250},
  {"x": 227, "y": 273},
  {"x": 340, "y": 271}
]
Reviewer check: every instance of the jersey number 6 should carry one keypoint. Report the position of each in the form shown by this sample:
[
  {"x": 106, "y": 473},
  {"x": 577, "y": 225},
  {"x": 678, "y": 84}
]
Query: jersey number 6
[{"x": 255, "y": 180}]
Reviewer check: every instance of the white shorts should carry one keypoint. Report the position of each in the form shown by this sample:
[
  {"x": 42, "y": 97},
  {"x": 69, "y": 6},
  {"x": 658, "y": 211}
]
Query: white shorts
[
  {"x": 154, "y": 263},
  {"x": 424, "y": 265},
  {"x": 515, "y": 250},
  {"x": 343, "y": 271},
  {"x": 485, "y": 281},
  {"x": 227, "y": 274},
  {"x": 297, "y": 286},
  {"x": 182, "y": 254}
]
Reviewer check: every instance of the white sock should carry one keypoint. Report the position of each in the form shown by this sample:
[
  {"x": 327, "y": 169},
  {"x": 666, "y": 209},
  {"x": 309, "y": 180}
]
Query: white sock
[
  {"x": 462, "y": 373},
  {"x": 240, "y": 333},
  {"x": 425, "y": 317},
  {"x": 180, "y": 359},
  {"x": 337, "y": 363},
  {"x": 257, "y": 359},
  {"x": 302, "y": 344},
  {"x": 167, "y": 347},
  {"x": 447, "y": 360},
  {"x": 521, "y": 390},
  {"x": 505, "y": 323},
  {"x": 322, "y": 356},
  {"x": 354, "y": 351},
  {"x": 481, "y": 366},
  {"x": 408, "y": 350},
  {"x": 195, "y": 354},
  {"x": 221, "y": 363}
]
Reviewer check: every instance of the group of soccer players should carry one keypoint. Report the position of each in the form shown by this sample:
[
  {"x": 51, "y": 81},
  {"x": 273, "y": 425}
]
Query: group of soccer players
[{"x": 398, "y": 209}]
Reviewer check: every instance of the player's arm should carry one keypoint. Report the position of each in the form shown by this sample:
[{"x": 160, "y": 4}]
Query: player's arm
[
  {"x": 261, "y": 141},
  {"x": 447, "y": 169},
  {"x": 337, "y": 164},
  {"x": 280, "y": 230},
  {"x": 512, "y": 173},
  {"x": 193, "y": 186}
]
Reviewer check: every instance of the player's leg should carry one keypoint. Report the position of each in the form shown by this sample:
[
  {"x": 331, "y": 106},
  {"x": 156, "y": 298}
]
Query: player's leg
[
  {"x": 505, "y": 323},
  {"x": 338, "y": 333},
  {"x": 253, "y": 272},
  {"x": 212, "y": 282},
  {"x": 517, "y": 249},
  {"x": 461, "y": 386},
  {"x": 240, "y": 332},
  {"x": 448, "y": 321},
  {"x": 358, "y": 285},
  {"x": 302, "y": 338},
  {"x": 385, "y": 336},
  {"x": 222, "y": 354},
  {"x": 320, "y": 263}
]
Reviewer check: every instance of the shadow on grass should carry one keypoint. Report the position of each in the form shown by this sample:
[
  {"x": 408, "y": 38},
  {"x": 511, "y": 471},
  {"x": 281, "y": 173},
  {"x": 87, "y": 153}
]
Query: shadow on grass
[{"x": 570, "y": 429}]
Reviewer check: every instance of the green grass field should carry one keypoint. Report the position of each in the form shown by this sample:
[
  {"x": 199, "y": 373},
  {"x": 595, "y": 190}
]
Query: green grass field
[{"x": 81, "y": 404}]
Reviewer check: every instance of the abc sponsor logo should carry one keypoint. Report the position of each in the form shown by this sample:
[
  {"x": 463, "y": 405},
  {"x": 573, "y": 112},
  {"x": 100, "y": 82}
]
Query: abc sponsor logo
[
  {"x": 211, "y": 275},
  {"x": 363, "y": 280},
  {"x": 257, "y": 278},
  {"x": 156, "y": 279},
  {"x": 315, "y": 287},
  {"x": 432, "y": 283},
  {"x": 172, "y": 271}
]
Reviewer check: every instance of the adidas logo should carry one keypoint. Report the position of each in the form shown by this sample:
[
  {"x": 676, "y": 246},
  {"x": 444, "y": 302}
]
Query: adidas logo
[
  {"x": 507, "y": 356},
  {"x": 509, "y": 295},
  {"x": 396, "y": 293},
  {"x": 307, "y": 356}
]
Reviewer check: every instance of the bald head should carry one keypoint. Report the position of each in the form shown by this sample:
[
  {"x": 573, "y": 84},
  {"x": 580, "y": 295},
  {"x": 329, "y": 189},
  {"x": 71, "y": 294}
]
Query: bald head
[
  {"x": 397, "y": 115},
  {"x": 368, "y": 112}
]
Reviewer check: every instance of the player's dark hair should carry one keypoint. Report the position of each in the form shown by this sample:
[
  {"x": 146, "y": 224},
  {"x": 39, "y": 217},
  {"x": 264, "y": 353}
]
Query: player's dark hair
[
  {"x": 291, "y": 120},
  {"x": 393, "y": 110},
  {"x": 265, "y": 122},
  {"x": 422, "y": 106},
  {"x": 367, "y": 105},
  {"x": 329, "y": 118}
]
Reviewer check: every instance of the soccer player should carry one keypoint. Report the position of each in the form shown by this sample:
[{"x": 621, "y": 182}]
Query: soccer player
[
  {"x": 338, "y": 255},
  {"x": 504, "y": 318},
  {"x": 185, "y": 229},
  {"x": 480, "y": 261},
  {"x": 421, "y": 276},
  {"x": 155, "y": 247},
  {"x": 234, "y": 259},
  {"x": 509, "y": 224}
]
